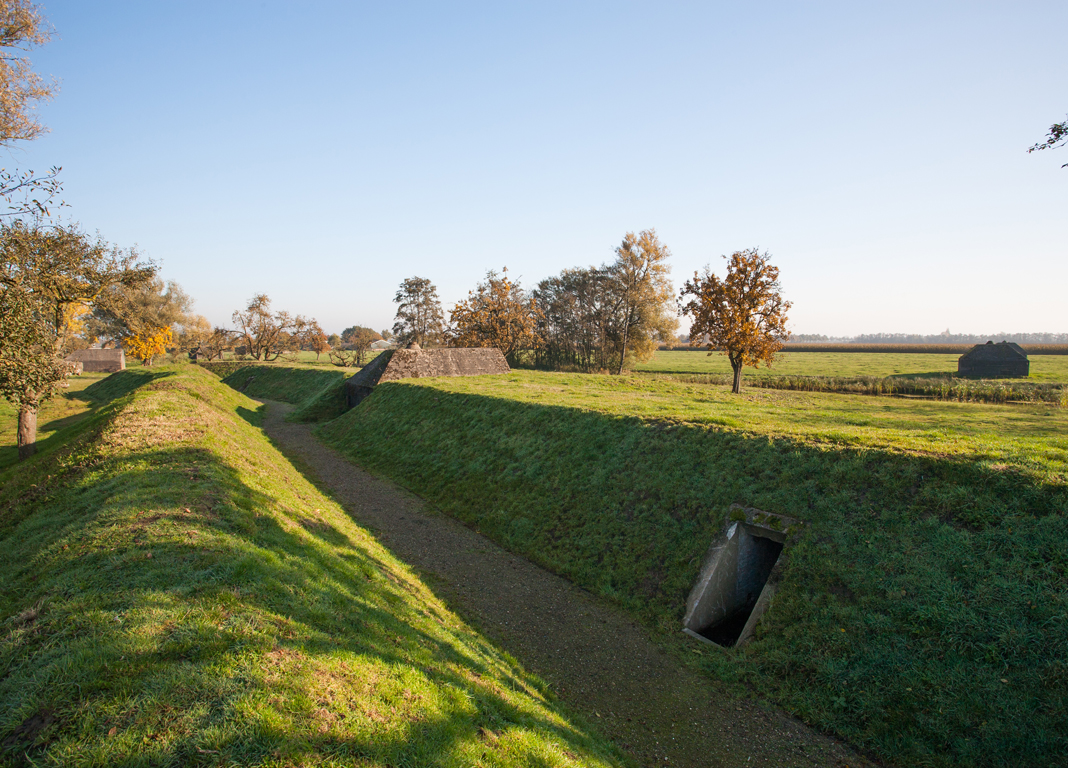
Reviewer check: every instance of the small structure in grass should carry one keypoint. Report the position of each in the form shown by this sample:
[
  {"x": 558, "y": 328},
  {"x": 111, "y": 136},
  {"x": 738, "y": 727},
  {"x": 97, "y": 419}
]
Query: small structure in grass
[
  {"x": 416, "y": 363},
  {"x": 99, "y": 360},
  {"x": 739, "y": 576},
  {"x": 994, "y": 361}
]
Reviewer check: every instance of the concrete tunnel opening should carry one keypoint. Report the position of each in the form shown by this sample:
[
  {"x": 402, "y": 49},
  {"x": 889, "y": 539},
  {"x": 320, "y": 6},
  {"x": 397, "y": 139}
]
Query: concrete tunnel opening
[{"x": 732, "y": 591}]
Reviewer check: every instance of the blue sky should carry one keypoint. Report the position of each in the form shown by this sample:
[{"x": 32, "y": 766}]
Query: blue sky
[{"x": 322, "y": 152}]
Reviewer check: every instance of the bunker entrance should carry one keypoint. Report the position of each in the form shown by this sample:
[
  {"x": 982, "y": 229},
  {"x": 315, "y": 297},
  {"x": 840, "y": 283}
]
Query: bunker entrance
[{"x": 733, "y": 591}]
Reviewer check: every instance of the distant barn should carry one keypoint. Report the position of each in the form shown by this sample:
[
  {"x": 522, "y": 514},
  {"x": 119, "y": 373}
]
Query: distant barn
[
  {"x": 99, "y": 360},
  {"x": 416, "y": 363},
  {"x": 994, "y": 361}
]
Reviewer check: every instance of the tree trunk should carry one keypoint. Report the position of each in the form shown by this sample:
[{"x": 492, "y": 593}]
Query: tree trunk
[
  {"x": 737, "y": 388},
  {"x": 623, "y": 352},
  {"x": 27, "y": 437}
]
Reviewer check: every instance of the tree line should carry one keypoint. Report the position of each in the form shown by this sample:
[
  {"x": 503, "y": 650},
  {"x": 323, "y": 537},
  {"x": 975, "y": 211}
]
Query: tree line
[
  {"x": 595, "y": 318},
  {"x": 606, "y": 317},
  {"x": 61, "y": 290}
]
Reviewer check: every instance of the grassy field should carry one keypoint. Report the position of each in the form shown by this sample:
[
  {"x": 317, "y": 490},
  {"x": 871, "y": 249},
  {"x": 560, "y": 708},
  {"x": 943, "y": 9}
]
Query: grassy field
[
  {"x": 62, "y": 410},
  {"x": 1044, "y": 368},
  {"x": 176, "y": 593},
  {"x": 922, "y": 614}
]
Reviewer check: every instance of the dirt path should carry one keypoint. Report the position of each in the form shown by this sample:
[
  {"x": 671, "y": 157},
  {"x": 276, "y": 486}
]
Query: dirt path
[{"x": 596, "y": 659}]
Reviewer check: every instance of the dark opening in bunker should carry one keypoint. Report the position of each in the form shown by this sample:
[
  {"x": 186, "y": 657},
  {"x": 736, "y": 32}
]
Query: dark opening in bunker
[{"x": 733, "y": 591}]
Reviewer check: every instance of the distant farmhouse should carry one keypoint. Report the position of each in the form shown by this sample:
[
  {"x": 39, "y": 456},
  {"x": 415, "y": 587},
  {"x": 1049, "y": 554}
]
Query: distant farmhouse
[
  {"x": 994, "y": 361},
  {"x": 99, "y": 360}
]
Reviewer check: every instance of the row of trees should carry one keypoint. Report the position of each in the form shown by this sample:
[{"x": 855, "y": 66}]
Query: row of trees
[
  {"x": 594, "y": 318},
  {"x": 589, "y": 319},
  {"x": 599, "y": 318}
]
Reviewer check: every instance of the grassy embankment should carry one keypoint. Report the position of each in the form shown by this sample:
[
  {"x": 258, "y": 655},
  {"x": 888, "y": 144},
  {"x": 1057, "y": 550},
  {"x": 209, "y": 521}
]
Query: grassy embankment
[
  {"x": 319, "y": 393},
  {"x": 924, "y": 614},
  {"x": 872, "y": 373},
  {"x": 175, "y": 593},
  {"x": 302, "y": 359}
]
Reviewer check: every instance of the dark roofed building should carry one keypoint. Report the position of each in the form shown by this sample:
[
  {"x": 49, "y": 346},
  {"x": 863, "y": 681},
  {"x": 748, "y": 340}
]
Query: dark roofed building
[{"x": 994, "y": 361}]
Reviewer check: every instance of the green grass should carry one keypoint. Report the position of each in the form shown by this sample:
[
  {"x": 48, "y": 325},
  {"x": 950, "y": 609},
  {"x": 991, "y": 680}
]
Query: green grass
[
  {"x": 175, "y": 593},
  {"x": 62, "y": 410},
  {"x": 295, "y": 359},
  {"x": 1044, "y": 368},
  {"x": 320, "y": 393},
  {"x": 922, "y": 614}
]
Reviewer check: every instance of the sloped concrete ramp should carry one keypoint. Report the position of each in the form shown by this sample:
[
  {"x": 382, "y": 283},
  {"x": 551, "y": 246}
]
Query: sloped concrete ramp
[{"x": 418, "y": 363}]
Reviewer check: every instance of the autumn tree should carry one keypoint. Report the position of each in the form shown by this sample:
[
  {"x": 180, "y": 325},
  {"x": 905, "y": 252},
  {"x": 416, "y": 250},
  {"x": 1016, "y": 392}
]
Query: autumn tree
[
  {"x": 215, "y": 344},
  {"x": 644, "y": 309},
  {"x": 1057, "y": 137},
  {"x": 148, "y": 344},
  {"x": 198, "y": 339},
  {"x": 361, "y": 342},
  {"x": 140, "y": 317},
  {"x": 576, "y": 326},
  {"x": 419, "y": 316},
  {"x": 267, "y": 335},
  {"x": 349, "y": 335},
  {"x": 496, "y": 314},
  {"x": 22, "y": 28},
  {"x": 598, "y": 318},
  {"x": 317, "y": 340},
  {"x": 44, "y": 273},
  {"x": 192, "y": 331},
  {"x": 743, "y": 315}
]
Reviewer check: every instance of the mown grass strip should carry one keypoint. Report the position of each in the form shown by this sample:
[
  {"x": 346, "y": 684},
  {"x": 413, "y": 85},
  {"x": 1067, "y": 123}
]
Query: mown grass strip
[
  {"x": 320, "y": 393},
  {"x": 946, "y": 389},
  {"x": 922, "y": 615},
  {"x": 175, "y": 593},
  {"x": 1050, "y": 369}
]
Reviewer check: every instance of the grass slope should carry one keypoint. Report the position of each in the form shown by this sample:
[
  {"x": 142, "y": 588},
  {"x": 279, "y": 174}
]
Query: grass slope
[
  {"x": 320, "y": 393},
  {"x": 923, "y": 614},
  {"x": 175, "y": 593},
  {"x": 59, "y": 411}
]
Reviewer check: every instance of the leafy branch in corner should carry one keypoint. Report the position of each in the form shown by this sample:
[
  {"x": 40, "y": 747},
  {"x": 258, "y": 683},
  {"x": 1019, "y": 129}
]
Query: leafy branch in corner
[{"x": 1057, "y": 137}]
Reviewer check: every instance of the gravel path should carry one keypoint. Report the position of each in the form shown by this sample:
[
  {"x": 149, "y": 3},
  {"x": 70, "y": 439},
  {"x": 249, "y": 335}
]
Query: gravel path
[{"x": 596, "y": 659}]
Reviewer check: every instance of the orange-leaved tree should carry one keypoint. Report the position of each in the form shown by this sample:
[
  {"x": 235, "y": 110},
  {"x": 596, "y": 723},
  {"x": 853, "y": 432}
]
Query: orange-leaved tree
[
  {"x": 148, "y": 343},
  {"x": 743, "y": 315},
  {"x": 496, "y": 314},
  {"x": 642, "y": 308}
]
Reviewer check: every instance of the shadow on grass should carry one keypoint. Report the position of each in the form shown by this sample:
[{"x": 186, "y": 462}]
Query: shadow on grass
[
  {"x": 917, "y": 616},
  {"x": 186, "y": 616},
  {"x": 120, "y": 384}
]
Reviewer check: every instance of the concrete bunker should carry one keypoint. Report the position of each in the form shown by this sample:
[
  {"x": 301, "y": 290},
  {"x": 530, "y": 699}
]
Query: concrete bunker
[
  {"x": 415, "y": 363},
  {"x": 736, "y": 582},
  {"x": 99, "y": 360}
]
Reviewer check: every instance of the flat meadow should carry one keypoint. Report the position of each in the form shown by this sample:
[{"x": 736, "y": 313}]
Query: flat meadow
[{"x": 1044, "y": 368}]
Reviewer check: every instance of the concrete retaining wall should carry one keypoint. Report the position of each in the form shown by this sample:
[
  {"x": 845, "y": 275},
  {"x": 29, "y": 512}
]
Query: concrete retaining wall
[{"x": 99, "y": 360}]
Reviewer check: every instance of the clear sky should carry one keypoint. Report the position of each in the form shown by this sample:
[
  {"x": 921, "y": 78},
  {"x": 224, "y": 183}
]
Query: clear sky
[{"x": 321, "y": 152}]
